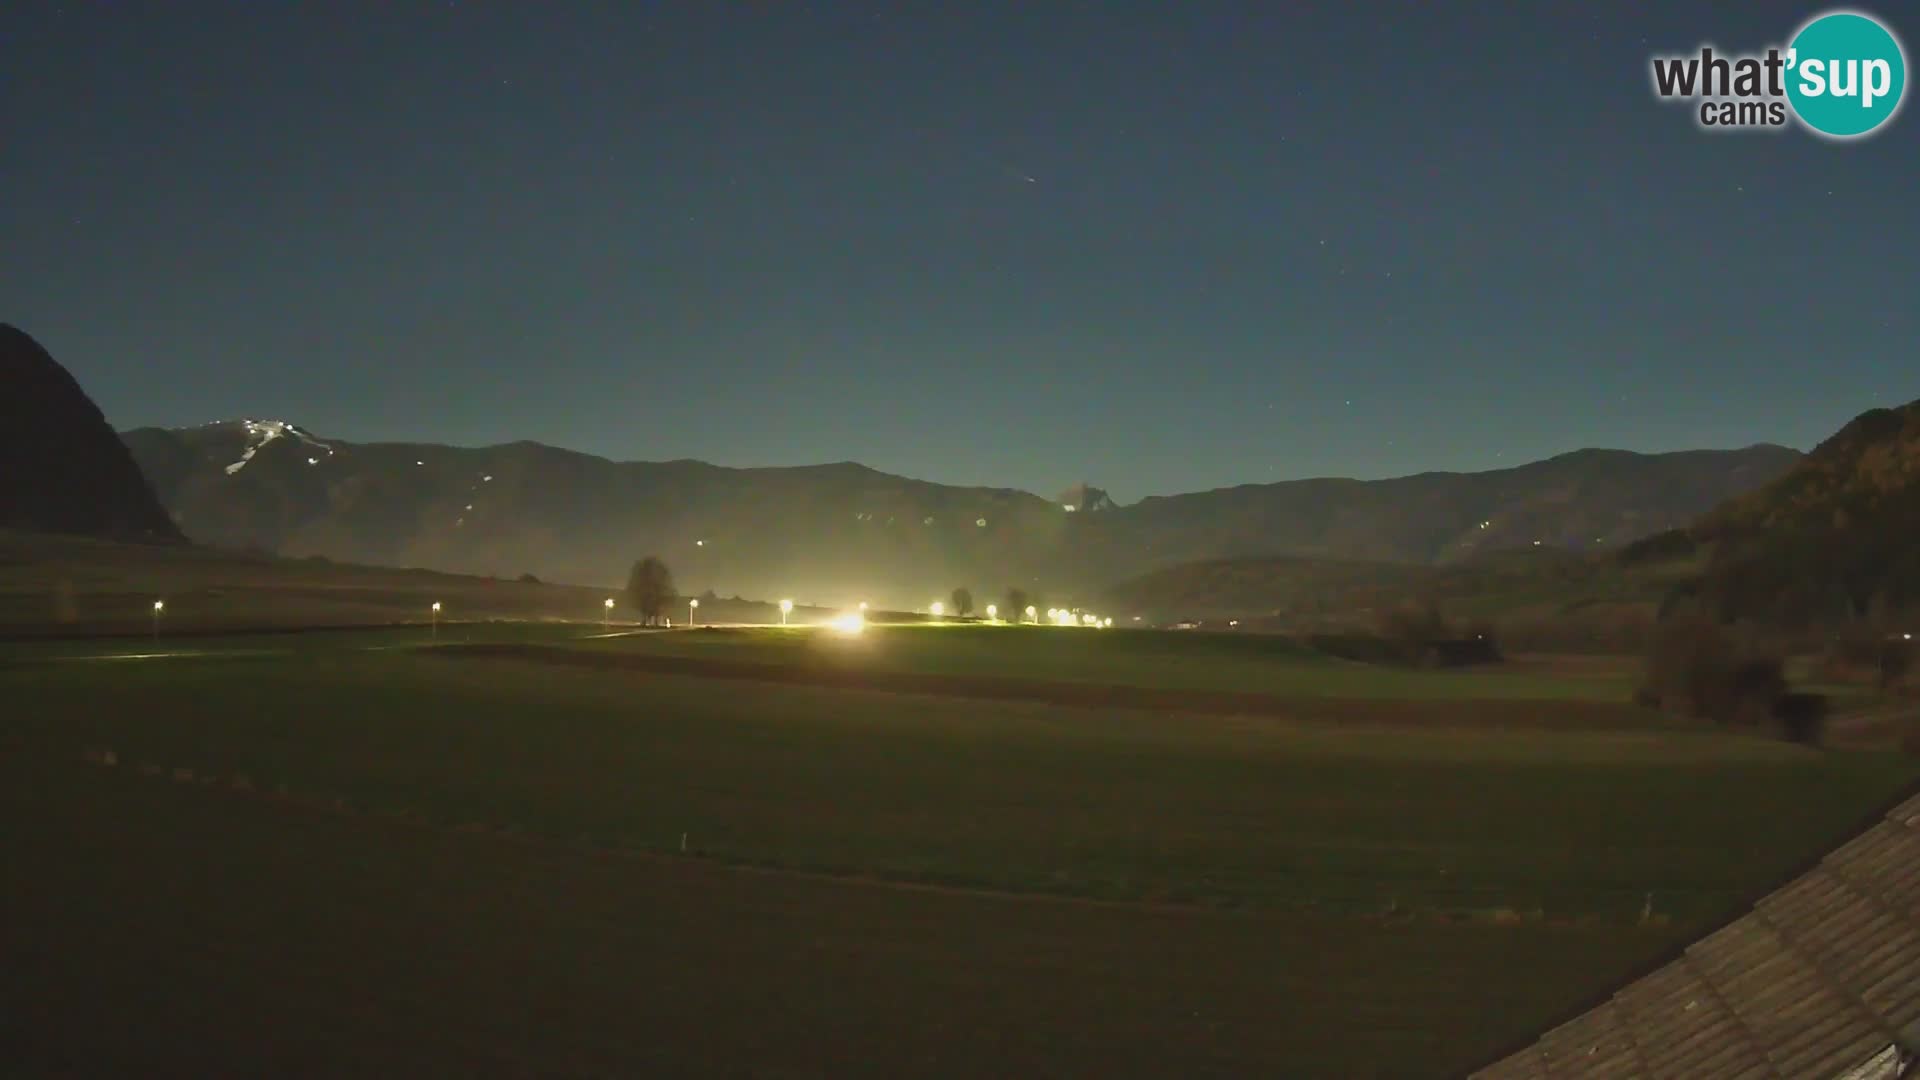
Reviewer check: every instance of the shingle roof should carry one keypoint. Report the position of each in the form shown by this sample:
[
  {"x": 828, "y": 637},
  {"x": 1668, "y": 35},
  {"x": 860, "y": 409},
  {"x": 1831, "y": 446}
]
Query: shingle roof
[{"x": 1820, "y": 979}]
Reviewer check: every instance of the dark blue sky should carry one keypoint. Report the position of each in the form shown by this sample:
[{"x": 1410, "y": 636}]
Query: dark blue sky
[{"x": 1160, "y": 247}]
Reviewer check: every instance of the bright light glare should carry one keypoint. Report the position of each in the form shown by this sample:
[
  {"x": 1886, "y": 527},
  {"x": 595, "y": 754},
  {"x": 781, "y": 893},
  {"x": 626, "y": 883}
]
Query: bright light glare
[
  {"x": 690, "y": 603},
  {"x": 786, "y": 606},
  {"x": 938, "y": 608},
  {"x": 1108, "y": 622},
  {"x": 436, "y": 605},
  {"x": 863, "y": 605},
  {"x": 1030, "y": 612},
  {"x": 851, "y": 623},
  {"x": 992, "y": 612},
  {"x": 159, "y": 605},
  {"x": 609, "y": 603}
]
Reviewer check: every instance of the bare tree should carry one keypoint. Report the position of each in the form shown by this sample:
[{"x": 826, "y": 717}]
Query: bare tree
[
  {"x": 962, "y": 601},
  {"x": 1016, "y": 604},
  {"x": 649, "y": 587}
]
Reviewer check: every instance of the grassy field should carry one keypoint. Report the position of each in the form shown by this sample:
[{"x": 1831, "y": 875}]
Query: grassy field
[
  {"x": 1098, "y": 803},
  {"x": 155, "y": 927},
  {"x": 903, "y": 881},
  {"x": 1249, "y": 663}
]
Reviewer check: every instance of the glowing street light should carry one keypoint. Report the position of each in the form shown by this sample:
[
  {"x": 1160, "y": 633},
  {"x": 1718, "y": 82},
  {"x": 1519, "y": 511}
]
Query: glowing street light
[
  {"x": 436, "y": 620},
  {"x": 850, "y": 623},
  {"x": 863, "y": 606},
  {"x": 606, "y": 621},
  {"x": 785, "y": 606},
  {"x": 158, "y": 607},
  {"x": 993, "y": 613},
  {"x": 1031, "y": 614},
  {"x": 939, "y": 609},
  {"x": 693, "y": 611}
]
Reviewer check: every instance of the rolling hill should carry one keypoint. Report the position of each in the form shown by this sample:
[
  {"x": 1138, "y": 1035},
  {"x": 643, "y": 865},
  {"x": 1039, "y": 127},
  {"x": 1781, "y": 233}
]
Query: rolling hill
[{"x": 1833, "y": 539}]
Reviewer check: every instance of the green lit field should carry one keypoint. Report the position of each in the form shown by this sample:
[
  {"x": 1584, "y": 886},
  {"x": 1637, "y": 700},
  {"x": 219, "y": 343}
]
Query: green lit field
[{"x": 1397, "y": 890}]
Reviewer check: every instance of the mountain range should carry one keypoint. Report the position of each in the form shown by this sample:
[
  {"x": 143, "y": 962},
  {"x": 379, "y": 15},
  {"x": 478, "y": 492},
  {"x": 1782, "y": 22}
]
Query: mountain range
[
  {"x": 834, "y": 533},
  {"x": 831, "y": 533}
]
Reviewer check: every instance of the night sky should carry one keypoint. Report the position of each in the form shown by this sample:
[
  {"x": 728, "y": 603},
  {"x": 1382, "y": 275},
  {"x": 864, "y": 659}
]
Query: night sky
[{"x": 1015, "y": 245}]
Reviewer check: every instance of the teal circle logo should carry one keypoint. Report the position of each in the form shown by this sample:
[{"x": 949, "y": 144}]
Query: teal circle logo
[{"x": 1846, "y": 74}]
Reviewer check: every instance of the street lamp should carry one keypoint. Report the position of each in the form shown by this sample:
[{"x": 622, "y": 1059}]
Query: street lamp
[
  {"x": 606, "y": 621},
  {"x": 436, "y": 620},
  {"x": 785, "y": 606},
  {"x": 1032, "y": 614},
  {"x": 993, "y": 613},
  {"x": 693, "y": 611},
  {"x": 158, "y": 607},
  {"x": 939, "y": 609}
]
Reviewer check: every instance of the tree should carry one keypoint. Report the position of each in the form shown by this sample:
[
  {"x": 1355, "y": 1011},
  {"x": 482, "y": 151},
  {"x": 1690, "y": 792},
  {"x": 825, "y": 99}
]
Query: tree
[
  {"x": 962, "y": 601},
  {"x": 1016, "y": 605},
  {"x": 1705, "y": 669},
  {"x": 649, "y": 587}
]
